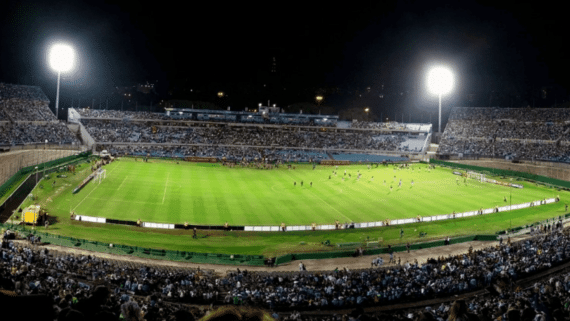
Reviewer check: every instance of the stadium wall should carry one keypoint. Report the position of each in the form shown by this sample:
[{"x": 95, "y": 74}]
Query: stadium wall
[
  {"x": 46, "y": 167},
  {"x": 30, "y": 155}
]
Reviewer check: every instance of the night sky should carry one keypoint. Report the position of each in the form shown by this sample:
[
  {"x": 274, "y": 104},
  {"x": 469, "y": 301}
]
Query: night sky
[{"x": 511, "y": 48}]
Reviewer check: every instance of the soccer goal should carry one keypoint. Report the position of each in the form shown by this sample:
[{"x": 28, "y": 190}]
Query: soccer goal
[
  {"x": 478, "y": 176},
  {"x": 101, "y": 175}
]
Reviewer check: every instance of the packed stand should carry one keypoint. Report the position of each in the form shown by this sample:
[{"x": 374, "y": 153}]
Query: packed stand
[
  {"x": 71, "y": 281},
  {"x": 22, "y": 133},
  {"x": 539, "y": 134},
  {"x": 222, "y": 153},
  {"x": 208, "y": 116},
  {"x": 68, "y": 280},
  {"x": 391, "y": 126},
  {"x": 409, "y": 281},
  {"x": 24, "y": 103},
  {"x": 516, "y": 114},
  {"x": 135, "y": 132},
  {"x": 110, "y": 114}
]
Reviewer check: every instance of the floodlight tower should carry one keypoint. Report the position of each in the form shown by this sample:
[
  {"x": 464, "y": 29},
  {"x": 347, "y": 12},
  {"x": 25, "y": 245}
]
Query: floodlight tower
[
  {"x": 61, "y": 58},
  {"x": 440, "y": 81}
]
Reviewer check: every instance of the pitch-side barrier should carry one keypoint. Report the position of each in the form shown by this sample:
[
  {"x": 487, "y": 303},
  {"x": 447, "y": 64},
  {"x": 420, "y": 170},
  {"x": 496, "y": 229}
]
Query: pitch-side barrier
[{"x": 295, "y": 228}]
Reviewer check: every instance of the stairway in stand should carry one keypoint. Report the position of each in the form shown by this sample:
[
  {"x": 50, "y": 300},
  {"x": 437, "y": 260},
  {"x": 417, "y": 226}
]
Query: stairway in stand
[{"x": 432, "y": 150}]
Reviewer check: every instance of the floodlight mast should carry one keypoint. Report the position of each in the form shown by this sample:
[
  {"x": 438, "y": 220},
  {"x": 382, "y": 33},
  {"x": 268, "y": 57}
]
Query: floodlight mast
[
  {"x": 439, "y": 126},
  {"x": 440, "y": 81},
  {"x": 57, "y": 96},
  {"x": 61, "y": 59}
]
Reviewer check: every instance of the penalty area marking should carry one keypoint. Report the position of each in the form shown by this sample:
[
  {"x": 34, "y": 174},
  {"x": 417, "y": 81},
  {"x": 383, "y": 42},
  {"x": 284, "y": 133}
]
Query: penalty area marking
[{"x": 93, "y": 189}]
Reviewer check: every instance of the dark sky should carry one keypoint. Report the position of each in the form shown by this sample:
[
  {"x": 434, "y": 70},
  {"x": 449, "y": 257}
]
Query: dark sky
[{"x": 495, "y": 45}]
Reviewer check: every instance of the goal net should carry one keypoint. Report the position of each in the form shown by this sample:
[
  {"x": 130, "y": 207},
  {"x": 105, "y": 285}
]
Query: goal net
[
  {"x": 101, "y": 175},
  {"x": 478, "y": 176}
]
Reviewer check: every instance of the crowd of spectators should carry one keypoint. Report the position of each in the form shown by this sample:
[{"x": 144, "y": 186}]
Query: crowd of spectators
[
  {"x": 505, "y": 129},
  {"x": 516, "y": 114},
  {"x": 104, "y": 131},
  {"x": 509, "y": 149},
  {"x": 24, "y": 103},
  {"x": 100, "y": 113},
  {"x": 235, "y": 142},
  {"x": 68, "y": 280},
  {"x": 540, "y": 134},
  {"x": 25, "y": 133},
  {"x": 391, "y": 126},
  {"x": 222, "y": 153},
  {"x": 205, "y": 116},
  {"x": 25, "y": 118}
]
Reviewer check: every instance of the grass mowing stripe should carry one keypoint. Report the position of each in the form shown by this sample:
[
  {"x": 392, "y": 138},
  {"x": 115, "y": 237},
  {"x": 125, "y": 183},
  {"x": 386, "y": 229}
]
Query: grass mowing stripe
[
  {"x": 196, "y": 194},
  {"x": 331, "y": 207},
  {"x": 246, "y": 211},
  {"x": 208, "y": 183},
  {"x": 267, "y": 205},
  {"x": 220, "y": 201},
  {"x": 261, "y": 204},
  {"x": 335, "y": 199}
]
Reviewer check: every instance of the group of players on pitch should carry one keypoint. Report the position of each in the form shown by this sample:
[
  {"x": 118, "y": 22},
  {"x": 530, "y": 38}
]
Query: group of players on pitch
[{"x": 359, "y": 175}]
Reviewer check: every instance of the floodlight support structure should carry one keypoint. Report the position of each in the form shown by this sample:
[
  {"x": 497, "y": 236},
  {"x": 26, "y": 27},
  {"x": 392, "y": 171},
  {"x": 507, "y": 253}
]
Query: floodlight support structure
[
  {"x": 57, "y": 94},
  {"x": 439, "y": 128}
]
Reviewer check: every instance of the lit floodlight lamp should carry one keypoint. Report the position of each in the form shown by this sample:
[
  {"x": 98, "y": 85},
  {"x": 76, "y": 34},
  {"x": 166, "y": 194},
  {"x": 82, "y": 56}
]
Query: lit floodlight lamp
[
  {"x": 440, "y": 82},
  {"x": 61, "y": 58}
]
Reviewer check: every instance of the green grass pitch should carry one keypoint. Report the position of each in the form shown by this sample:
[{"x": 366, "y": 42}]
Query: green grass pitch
[{"x": 210, "y": 194}]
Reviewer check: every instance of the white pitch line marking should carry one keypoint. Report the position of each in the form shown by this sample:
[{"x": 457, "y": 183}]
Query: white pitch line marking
[
  {"x": 93, "y": 189},
  {"x": 165, "y": 186},
  {"x": 332, "y": 207},
  {"x": 124, "y": 179}
]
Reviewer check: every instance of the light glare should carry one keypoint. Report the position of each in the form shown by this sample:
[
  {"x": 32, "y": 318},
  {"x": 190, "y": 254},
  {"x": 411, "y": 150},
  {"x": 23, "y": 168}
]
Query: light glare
[
  {"x": 440, "y": 80},
  {"x": 61, "y": 57}
]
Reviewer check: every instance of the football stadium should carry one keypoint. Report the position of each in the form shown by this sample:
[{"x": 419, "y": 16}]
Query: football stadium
[
  {"x": 235, "y": 161},
  {"x": 247, "y": 190}
]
